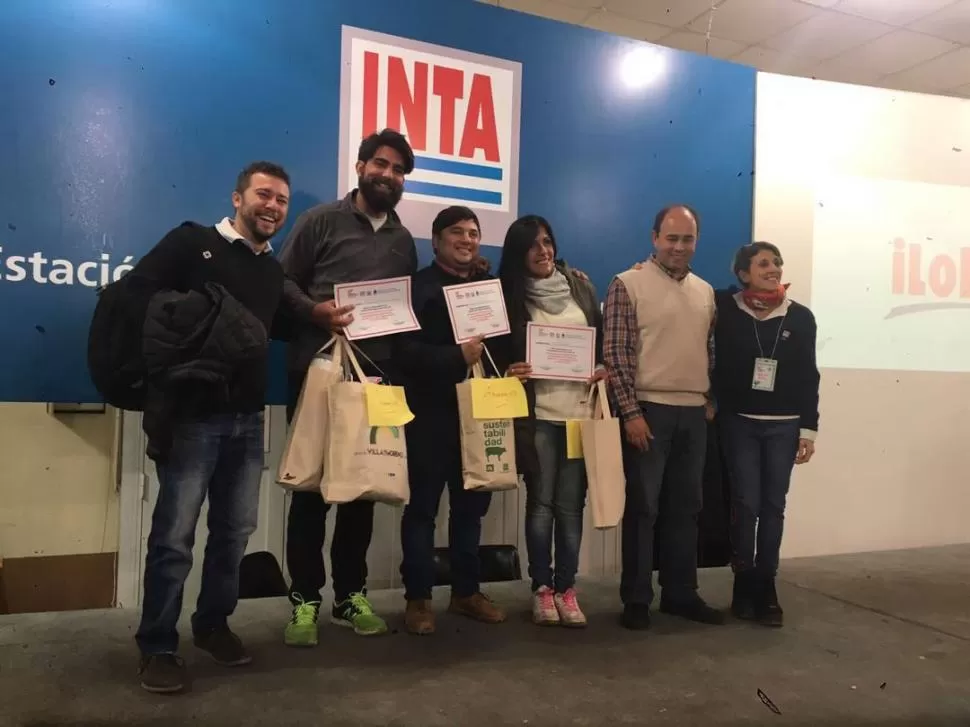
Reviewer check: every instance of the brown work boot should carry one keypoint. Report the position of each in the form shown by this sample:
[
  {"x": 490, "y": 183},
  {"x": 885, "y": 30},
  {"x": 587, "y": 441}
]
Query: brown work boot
[
  {"x": 477, "y": 607},
  {"x": 419, "y": 618}
]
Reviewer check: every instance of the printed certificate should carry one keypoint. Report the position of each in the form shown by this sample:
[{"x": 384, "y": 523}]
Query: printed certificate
[
  {"x": 381, "y": 307},
  {"x": 565, "y": 353},
  {"x": 477, "y": 309}
]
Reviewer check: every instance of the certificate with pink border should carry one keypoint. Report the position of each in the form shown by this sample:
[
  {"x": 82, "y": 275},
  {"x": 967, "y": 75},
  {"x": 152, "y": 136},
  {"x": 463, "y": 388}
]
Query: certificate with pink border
[
  {"x": 562, "y": 353},
  {"x": 477, "y": 309},
  {"x": 381, "y": 307}
]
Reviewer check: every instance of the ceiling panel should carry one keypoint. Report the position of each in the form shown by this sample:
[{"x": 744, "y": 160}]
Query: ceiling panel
[
  {"x": 766, "y": 59},
  {"x": 827, "y": 34},
  {"x": 610, "y": 22},
  {"x": 672, "y": 13},
  {"x": 698, "y": 43},
  {"x": 894, "y": 12},
  {"x": 949, "y": 71},
  {"x": 752, "y": 21},
  {"x": 896, "y": 51},
  {"x": 921, "y": 45},
  {"x": 951, "y": 23}
]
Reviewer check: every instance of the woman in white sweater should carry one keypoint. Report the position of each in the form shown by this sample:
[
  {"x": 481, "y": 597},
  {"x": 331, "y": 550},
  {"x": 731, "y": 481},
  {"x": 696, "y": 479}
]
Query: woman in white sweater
[{"x": 540, "y": 289}]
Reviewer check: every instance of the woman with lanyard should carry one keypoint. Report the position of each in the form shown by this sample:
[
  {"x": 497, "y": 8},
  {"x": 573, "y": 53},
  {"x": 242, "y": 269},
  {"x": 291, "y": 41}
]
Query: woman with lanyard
[{"x": 765, "y": 386}]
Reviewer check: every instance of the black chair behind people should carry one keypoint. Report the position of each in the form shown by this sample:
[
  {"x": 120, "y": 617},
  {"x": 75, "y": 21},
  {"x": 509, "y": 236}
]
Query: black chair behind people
[
  {"x": 260, "y": 576},
  {"x": 498, "y": 563}
]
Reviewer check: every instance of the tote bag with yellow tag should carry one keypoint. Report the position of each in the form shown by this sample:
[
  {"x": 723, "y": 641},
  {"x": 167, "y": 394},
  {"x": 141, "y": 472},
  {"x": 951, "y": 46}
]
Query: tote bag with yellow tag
[
  {"x": 486, "y": 410},
  {"x": 366, "y": 455}
]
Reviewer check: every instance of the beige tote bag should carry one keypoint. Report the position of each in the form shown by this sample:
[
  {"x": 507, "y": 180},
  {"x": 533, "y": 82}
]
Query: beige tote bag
[
  {"x": 487, "y": 445},
  {"x": 301, "y": 467},
  {"x": 604, "y": 462},
  {"x": 361, "y": 462}
]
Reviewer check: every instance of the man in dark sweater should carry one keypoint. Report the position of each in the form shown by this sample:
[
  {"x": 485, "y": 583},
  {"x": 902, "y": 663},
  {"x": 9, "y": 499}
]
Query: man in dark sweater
[
  {"x": 433, "y": 364},
  {"x": 352, "y": 240},
  {"x": 215, "y": 450}
]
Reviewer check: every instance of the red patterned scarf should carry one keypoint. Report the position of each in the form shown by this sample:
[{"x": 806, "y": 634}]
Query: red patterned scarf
[{"x": 764, "y": 299}]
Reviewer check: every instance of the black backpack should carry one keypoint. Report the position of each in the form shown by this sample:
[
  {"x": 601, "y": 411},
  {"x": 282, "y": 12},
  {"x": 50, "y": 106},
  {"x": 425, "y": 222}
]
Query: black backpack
[{"x": 115, "y": 360}]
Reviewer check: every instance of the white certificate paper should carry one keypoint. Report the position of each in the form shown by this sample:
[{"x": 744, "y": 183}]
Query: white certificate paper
[
  {"x": 564, "y": 353},
  {"x": 477, "y": 309},
  {"x": 381, "y": 307}
]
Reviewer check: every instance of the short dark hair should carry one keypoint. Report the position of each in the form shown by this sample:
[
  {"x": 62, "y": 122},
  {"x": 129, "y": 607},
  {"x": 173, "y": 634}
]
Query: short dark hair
[
  {"x": 270, "y": 169},
  {"x": 662, "y": 215},
  {"x": 452, "y": 216},
  {"x": 747, "y": 253},
  {"x": 387, "y": 137}
]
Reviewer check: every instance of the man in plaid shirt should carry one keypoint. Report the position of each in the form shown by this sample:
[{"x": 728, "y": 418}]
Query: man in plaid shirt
[{"x": 658, "y": 324}]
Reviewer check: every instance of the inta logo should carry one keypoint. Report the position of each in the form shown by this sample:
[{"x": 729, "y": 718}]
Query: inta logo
[{"x": 459, "y": 110}]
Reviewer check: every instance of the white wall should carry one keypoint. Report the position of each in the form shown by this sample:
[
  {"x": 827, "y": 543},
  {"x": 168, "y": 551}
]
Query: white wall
[
  {"x": 842, "y": 172},
  {"x": 57, "y": 486}
]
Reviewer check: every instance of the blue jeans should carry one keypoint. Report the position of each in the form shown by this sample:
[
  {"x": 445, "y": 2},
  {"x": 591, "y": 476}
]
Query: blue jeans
[
  {"x": 221, "y": 457},
  {"x": 668, "y": 475},
  {"x": 555, "y": 498},
  {"x": 434, "y": 460},
  {"x": 760, "y": 455}
]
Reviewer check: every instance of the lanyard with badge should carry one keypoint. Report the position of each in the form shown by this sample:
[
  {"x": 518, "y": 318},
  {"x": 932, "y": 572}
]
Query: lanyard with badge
[{"x": 765, "y": 369}]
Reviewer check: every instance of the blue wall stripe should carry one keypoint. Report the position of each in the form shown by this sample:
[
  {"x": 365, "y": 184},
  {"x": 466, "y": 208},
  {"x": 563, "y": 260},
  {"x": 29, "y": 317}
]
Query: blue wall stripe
[
  {"x": 465, "y": 169},
  {"x": 451, "y": 192}
]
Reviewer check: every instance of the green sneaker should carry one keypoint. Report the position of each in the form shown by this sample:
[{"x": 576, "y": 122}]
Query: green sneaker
[
  {"x": 356, "y": 613},
  {"x": 302, "y": 628}
]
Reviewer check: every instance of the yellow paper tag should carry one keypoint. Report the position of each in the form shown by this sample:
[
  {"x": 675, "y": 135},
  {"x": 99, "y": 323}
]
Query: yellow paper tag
[
  {"x": 498, "y": 398},
  {"x": 386, "y": 406},
  {"x": 574, "y": 440}
]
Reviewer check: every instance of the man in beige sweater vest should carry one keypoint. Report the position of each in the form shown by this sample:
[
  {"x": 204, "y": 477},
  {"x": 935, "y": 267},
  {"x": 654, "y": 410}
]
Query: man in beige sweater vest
[{"x": 658, "y": 321}]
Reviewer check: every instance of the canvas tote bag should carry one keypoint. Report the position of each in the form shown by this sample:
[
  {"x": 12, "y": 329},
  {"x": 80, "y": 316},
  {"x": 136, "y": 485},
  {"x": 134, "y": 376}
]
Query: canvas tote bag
[
  {"x": 604, "y": 462},
  {"x": 361, "y": 462},
  {"x": 487, "y": 445},
  {"x": 301, "y": 466}
]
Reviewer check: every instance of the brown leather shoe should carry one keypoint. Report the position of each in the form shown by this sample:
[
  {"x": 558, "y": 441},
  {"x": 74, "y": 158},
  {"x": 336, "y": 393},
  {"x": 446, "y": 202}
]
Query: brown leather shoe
[
  {"x": 419, "y": 618},
  {"x": 477, "y": 607}
]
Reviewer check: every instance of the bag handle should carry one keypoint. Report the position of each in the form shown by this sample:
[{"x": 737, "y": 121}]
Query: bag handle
[
  {"x": 477, "y": 370},
  {"x": 347, "y": 348},
  {"x": 325, "y": 347},
  {"x": 597, "y": 392}
]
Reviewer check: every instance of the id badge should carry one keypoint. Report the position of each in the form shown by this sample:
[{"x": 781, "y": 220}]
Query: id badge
[{"x": 764, "y": 374}]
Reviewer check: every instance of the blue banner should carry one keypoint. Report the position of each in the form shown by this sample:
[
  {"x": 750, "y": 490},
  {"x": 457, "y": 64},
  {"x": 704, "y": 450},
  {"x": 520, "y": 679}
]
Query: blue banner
[{"x": 124, "y": 119}]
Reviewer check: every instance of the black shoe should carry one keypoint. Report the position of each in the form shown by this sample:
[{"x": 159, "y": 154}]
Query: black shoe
[
  {"x": 224, "y": 646},
  {"x": 693, "y": 609},
  {"x": 767, "y": 609},
  {"x": 636, "y": 617},
  {"x": 743, "y": 601},
  {"x": 162, "y": 673}
]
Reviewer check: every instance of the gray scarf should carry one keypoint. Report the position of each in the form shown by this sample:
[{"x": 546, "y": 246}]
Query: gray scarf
[{"x": 550, "y": 295}]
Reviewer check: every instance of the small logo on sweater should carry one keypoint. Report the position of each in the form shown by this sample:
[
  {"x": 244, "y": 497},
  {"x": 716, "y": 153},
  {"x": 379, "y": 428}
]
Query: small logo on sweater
[{"x": 207, "y": 255}]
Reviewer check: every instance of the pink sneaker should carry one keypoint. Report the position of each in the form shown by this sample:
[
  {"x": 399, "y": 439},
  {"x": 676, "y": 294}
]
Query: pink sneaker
[
  {"x": 544, "y": 611},
  {"x": 570, "y": 613}
]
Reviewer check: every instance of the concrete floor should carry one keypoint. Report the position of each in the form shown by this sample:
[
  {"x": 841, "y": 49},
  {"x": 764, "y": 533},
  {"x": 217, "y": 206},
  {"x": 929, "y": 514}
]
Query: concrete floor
[{"x": 872, "y": 640}]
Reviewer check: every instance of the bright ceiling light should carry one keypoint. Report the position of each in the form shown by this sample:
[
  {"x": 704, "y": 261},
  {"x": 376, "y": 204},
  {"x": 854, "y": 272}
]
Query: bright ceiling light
[{"x": 641, "y": 67}]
